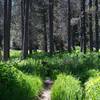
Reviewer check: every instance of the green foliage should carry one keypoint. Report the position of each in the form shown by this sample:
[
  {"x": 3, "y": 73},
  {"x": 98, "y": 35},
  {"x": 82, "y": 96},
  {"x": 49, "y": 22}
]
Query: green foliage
[
  {"x": 93, "y": 73},
  {"x": 92, "y": 89},
  {"x": 84, "y": 76},
  {"x": 66, "y": 88},
  {"x": 45, "y": 65},
  {"x": 21, "y": 79},
  {"x": 14, "y": 85},
  {"x": 15, "y": 53},
  {"x": 29, "y": 66}
]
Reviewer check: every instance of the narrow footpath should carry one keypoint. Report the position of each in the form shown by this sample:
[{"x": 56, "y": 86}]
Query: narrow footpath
[{"x": 46, "y": 95}]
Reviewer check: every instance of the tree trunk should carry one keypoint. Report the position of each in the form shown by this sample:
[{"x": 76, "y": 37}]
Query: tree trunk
[
  {"x": 5, "y": 49},
  {"x": 97, "y": 26},
  {"x": 7, "y": 25},
  {"x": 74, "y": 30},
  {"x": 30, "y": 38},
  {"x": 22, "y": 19},
  {"x": 1, "y": 46},
  {"x": 30, "y": 28},
  {"x": 90, "y": 26},
  {"x": 51, "y": 26},
  {"x": 69, "y": 27},
  {"x": 26, "y": 32},
  {"x": 83, "y": 27},
  {"x": 44, "y": 27},
  {"x": 30, "y": 41}
]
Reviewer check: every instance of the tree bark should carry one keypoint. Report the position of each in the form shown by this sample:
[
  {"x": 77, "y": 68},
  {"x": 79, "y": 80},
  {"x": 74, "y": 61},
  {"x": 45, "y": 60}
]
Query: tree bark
[
  {"x": 5, "y": 49},
  {"x": 90, "y": 26},
  {"x": 51, "y": 38},
  {"x": 26, "y": 32},
  {"x": 97, "y": 26},
  {"x": 44, "y": 27},
  {"x": 30, "y": 41},
  {"x": 22, "y": 19},
  {"x": 69, "y": 27},
  {"x": 7, "y": 26},
  {"x": 83, "y": 27},
  {"x": 30, "y": 28}
]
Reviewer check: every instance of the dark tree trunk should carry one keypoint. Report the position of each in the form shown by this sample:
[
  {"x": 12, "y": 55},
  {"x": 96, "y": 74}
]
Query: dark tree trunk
[
  {"x": 30, "y": 28},
  {"x": 51, "y": 26},
  {"x": 7, "y": 25},
  {"x": 26, "y": 32},
  {"x": 83, "y": 27},
  {"x": 69, "y": 27},
  {"x": 22, "y": 18},
  {"x": 74, "y": 30},
  {"x": 90, "y": 26},
  {"x": 73, "y": 41},
  {"x": 30, "y": 41},
  {"x": 0, "y": 45},
  {"x": 97, "y": 26},
  {"x": 30, "y": 37},
  {"x": 5, "y": 49},
  {"x": 44, "y": 27}
]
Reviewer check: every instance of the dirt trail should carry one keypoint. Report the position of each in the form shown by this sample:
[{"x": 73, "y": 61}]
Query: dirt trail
[{"x": 46, "y": 95}]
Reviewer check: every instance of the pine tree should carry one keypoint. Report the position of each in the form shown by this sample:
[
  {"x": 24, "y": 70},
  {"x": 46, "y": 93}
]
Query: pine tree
[
  {"x": 22, "y": 18},
  {"x": 51, "y": 26},
  {"x": 7, "y": 26},
  {"x": 83, "y": 27},
  {"x": 90, "y": 26},
  {"x": 26, "y": 31},
  {"x": 30, "y": 28},
  {"x": 69, "y": 27},
  {"x": 5, "y": 56},
  {"x": 44, "y": 27},
  {"x": 97, "y": 26}
]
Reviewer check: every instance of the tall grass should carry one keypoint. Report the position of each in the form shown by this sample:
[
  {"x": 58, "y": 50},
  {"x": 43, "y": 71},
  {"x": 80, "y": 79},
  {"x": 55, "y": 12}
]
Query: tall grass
[
  {"x": 92, "y": 89},
  {"x": 14, "y": 85},
  {"x": 66, "y": 88}
]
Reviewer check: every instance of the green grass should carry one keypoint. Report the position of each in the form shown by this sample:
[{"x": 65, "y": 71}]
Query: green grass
[
  {"x": 66, "y": 88},
  {"x": 42, "y": 65},
  {"x": 15, "y": 53},
  {"x": 14, "y": 85},
  {"x": 92, "y": 89}
]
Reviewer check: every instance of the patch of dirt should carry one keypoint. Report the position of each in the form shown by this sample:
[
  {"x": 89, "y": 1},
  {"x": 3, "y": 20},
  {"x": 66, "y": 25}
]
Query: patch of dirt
[{"x": 46, "y": 95}]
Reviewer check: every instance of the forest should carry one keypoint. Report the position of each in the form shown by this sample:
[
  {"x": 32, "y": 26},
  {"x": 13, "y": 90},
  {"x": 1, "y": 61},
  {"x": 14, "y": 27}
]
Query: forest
[{"x": 49, "y": 49}]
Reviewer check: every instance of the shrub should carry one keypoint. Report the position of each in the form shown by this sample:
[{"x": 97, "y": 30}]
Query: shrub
[
  {"x": 29, "y": 66},
  {"x": 15, "y": 53},
  {"x": 84, "y": 76},
  {"x": 93, "y": 73},
  {"x": 66, "y": 88},
  {"x": 14, "y": 85},
  {"x": 92, "y": 89}
]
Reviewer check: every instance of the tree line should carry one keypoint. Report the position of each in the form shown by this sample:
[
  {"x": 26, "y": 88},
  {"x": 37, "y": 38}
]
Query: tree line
[{"x": 26, "y": 9}]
